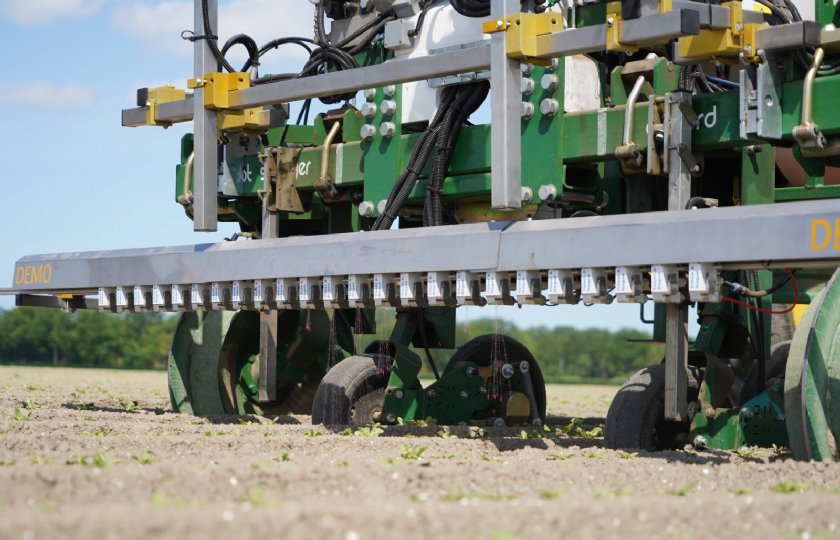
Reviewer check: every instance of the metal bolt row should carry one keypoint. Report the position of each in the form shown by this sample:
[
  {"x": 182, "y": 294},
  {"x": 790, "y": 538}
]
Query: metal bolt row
[{"x": 665, "y": 283}]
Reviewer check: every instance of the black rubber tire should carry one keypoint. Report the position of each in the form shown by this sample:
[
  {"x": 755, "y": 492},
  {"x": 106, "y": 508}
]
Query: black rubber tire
[
  {"x": 636, "y": 418},
  {"x": 353, "y": 380},
  {"x": 774, "y": 369},
  {"x": 479, "y": 351}
]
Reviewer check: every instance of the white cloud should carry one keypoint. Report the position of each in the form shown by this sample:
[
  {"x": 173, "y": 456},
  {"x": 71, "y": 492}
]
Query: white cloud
[
  {"x": 44, "y": 95},
  {"x": 160, "y": 24},
  {"x": 35, "y": 12}
]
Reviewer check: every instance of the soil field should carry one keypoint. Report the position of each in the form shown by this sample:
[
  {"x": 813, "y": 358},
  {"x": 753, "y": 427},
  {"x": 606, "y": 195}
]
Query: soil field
[{"x": 97, "y": 454}]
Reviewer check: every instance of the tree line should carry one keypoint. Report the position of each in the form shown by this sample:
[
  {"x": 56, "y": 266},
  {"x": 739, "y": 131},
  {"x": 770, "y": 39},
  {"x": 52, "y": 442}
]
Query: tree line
[{"x": 141, "y": 341}]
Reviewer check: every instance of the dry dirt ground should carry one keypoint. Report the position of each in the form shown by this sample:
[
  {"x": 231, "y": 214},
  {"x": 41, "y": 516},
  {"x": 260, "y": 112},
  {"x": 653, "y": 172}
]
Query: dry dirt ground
[{"x": 96, "y": 454}]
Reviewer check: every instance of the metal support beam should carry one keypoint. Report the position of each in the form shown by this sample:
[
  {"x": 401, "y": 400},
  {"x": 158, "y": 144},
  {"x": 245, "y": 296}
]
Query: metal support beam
[
  {"x": 506, "y": 130},
  {"x": 205, "y": 169},
  {"x": 680, "y": 165},
  {"x": 268, "y": 320}
]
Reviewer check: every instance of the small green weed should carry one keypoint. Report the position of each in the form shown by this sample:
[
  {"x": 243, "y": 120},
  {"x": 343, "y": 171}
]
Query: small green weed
[
  {"x": 607, "y": 493},
  {"x": 412, "y": 452},
  {"x": 680, "y": 491},
  {"x": 101, "y": 431},
  {"x": 312, "y": 433},
  {"x": 29, "y": 405},
  {"x": 459, "y": 496},
  {"x": 560, "y": 457},
  {"x": 144, "y": 459},
  {"x": 6, "y": 462},
  {"x": 19, "y": 416},
  {"x": 369, "y": 431},
  {"x": 446, "y": 434},
  {"x": 284, "y": 457},
  {"x": 551, "y": 494},
  {"x": 570, "y": 428},
  {"x": 590, "y": 434},
  {"x": 258, "y": 499},
  {"x": 99, "y": 461},
  {"x": 626, "y": 455},
  {"x": 747, "y": 453},
  {"x": 789, "y": 487},
  {"x": 740, "y": 491}
]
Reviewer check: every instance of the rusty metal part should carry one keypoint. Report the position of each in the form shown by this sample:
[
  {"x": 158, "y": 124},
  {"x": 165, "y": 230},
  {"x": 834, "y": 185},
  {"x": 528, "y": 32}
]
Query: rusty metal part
[{"x": 280, "y": 164}]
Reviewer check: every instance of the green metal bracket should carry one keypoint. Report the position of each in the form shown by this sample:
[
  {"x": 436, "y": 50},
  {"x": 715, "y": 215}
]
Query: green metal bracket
[{"x": 759, "y": 422}]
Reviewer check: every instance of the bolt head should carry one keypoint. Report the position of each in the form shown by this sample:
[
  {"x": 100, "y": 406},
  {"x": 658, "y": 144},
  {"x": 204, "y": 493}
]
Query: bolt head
[
  {"x": 482, "y": 390},
  {"x": 699, "y": 442},
  {"x": 548, "y": 192},
  {"x": 398, "y": 394},
  {"x": 390, "y": 90},
  {"x": 382, "y": 205},
  {"x": 499, "y": 422},
  {"x": 524, "y": 366},
  {"x": 388, "y": 107},
  {"x": 526, "y": 69},
  {"x": 430, "y": 393},
  {"x": 527, "y": 86},
  {"x": 387, "y": 129},
  {"x": 549, "y": 107},
  {"x": 367, "y": 132},
  {"x": 550, "y": 82},
  {"x": 507, "y": 371},
  {"x": 390, "y": 418},
  {"x": 463, "y": 394},
  {"x": 370, "y": 94},
  {"x": 527, "y": 193},
  {"x": 368, "y": 110},
  {"x": 527, "y": 110}
]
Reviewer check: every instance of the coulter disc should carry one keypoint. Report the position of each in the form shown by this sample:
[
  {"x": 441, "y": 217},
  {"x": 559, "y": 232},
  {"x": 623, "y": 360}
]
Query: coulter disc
[{"x": 812, "y": 379}]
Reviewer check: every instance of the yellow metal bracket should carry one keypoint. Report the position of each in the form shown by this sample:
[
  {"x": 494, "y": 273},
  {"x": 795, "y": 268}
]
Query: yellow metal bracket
[
  {"x": 614, "y": 22},
  {"x": 522, "y": 31},
  {"x": 156, "y": 96},
  {"x": 723, "y": 44},
  {"x": 217, "y": 88}
]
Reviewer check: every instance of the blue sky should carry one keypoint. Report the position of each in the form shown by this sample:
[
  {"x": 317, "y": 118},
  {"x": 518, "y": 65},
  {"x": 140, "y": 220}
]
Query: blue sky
[{"x": 73, "y": 179}]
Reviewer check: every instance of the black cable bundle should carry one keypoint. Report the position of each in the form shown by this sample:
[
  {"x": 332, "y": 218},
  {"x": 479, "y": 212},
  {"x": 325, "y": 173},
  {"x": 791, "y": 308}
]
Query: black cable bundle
[
  {"x": 472, "y": 8},
  {"x": 468, "y": 100},
  {"x": 457, "y": 103}
]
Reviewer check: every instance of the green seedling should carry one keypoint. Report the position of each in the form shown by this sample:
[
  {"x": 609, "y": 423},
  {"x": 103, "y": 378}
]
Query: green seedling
[
  {"x": 459, "y": 496},
  {"x": 19, "y": 416},
  {"x": 446, "y": 434},
  {"x": 747, "y": 453},
  {"x": 589, "y": 434},
  {"x": 369, "y": 431},
  {"x": 144, "y": 459},
  {"x": 6, "y": 462},
  {"x": 607, "y": 493},
  {"x": 626, "y": 455},
  {"x": 312, "y": 433},
  {"x": 570, "y": 428},
  {"x": 789, "y": 487},
  {"x": 680, "y": 491},
  {"x": 412, "y": 452},
  {"x": 551, "y": 494},
  {"x": 347, "y": 432},
  {"x": 98, "y": 461},
  {"x": 779, "y": 450},
  {"x": 127, "y": 405},
  {"x": 29, "y": 405},
  {"x": 597, "y": 454},
  {"x": 491, "y": 459},
  {"x": 258, "y": 499},
  {"x": 285, "y": 456},
  {"x": 740, "y": 491},
  {"x": 560, "y": 457},
  {"x": 38, "y": 460},
  {"x": 160, "y": 500},
  {"x": 99, "y": 432}
]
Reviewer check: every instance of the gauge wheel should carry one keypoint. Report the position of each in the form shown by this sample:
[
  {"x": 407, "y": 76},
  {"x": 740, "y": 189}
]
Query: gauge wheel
[
  {"x": 484, "y": 350},
  {"x": 636, "y": 417},
  {"x": 352, "y": 392}
]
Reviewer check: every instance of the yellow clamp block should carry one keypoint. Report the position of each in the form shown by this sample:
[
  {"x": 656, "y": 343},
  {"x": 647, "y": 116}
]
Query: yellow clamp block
[
  {"x": 156, "y": 96},
  {"x": 614, "y": 22},
  {"x": 217, "y": 87},
  {"x": 249, "y": 119},
  {"x": 523, "y": 29},
  {"x": 724, "y": 43}
]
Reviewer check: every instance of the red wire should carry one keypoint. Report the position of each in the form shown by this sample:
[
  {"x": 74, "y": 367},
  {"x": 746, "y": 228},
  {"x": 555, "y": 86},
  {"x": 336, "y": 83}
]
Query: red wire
[{"x": 770, "y": 311}]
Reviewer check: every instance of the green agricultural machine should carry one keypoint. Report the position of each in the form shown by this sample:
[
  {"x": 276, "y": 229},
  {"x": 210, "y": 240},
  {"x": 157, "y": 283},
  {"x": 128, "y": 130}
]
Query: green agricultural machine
[{"x": 668, "y": 151}]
